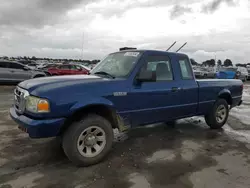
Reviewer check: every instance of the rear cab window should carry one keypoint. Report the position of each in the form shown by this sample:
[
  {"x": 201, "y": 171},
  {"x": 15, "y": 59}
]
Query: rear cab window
[{"x": 185, "y": 68}]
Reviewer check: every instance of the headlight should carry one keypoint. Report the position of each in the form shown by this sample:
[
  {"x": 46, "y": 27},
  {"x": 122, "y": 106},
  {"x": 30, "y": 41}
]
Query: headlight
[{"x": 37, "y": 105}]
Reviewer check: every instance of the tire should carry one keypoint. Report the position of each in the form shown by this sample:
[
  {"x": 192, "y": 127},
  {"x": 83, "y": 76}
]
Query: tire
[
  {"x": 212, "y": 120},
  {"x": 77, "y": 149}
]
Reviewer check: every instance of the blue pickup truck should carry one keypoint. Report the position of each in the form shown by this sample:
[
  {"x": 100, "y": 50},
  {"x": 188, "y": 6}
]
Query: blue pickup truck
[{"x": 126, "y": 89}]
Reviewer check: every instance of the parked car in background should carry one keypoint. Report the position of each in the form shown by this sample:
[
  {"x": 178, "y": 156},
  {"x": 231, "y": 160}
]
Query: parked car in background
[
  {"x": 16, "y": 72},
  {"x": 232, "y": 73},
  {"x": 248, "y": 70},
  {"x": 48, "y": 66},
  {"x": 200, "y": 72},
  {"x": 25, "y": 62},
  {"x": 41, "y": 65},
  {"x": 67, "y": 69},
  {"x": 211, "y": 72},
  {"x": 85, "y": 67},
  {"x": 32, "y": 66},
  {"x": 242, "y": 73}
]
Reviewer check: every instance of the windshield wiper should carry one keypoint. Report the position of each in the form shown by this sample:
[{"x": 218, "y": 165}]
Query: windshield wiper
[{"x": 105, "y": 73}]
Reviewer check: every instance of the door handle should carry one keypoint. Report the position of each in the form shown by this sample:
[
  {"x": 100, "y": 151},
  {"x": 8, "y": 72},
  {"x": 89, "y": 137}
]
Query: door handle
[{"x": 175, "y": 89}]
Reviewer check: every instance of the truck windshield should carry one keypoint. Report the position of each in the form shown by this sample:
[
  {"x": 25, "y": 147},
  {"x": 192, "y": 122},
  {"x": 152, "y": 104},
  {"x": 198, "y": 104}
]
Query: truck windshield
[{"x": 117, "y": 65}]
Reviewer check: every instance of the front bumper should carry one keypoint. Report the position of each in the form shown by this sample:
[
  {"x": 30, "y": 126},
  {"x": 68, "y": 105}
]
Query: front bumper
[{"x": 37, "y": 128}]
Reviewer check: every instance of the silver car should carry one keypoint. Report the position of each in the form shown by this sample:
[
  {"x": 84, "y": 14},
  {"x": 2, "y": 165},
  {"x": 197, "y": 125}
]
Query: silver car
[{"x": 17, "y": 72}]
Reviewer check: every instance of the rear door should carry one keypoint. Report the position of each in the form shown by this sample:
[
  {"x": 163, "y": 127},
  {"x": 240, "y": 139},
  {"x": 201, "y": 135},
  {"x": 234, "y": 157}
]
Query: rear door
[{"x": 17, "y": 71}]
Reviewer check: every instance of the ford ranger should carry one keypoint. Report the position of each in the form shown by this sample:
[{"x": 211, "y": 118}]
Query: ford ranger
[{"x": 126, "y": 89}]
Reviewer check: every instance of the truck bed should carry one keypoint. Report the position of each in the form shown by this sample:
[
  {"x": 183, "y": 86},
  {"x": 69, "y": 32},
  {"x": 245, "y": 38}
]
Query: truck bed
[{"x": 211, "y": 89}]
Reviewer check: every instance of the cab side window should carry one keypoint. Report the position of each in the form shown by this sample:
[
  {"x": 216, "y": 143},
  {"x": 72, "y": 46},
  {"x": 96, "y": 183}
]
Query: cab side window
[
  {"x": 185, "y": 68},
  {"x": 160, "y": 67}
]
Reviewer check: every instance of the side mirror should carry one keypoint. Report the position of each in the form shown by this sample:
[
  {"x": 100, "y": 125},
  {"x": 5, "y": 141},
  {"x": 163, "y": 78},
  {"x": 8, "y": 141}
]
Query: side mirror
[{"x": 146, "y": 76}]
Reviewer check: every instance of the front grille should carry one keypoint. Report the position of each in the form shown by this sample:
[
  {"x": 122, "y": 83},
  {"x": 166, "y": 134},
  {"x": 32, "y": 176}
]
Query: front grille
[{"x": 19, "y": 99}]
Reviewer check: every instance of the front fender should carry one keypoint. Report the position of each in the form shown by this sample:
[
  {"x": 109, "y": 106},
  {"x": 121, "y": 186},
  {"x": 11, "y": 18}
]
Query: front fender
[{"x": 90, "y": 102}]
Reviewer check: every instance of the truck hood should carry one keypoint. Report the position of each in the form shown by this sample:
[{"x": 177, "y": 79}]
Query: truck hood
[{"x": 59, "y": 81}]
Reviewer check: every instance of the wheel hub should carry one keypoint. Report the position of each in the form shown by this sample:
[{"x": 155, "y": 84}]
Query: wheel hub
[
  {"x": 220, "y": 114},
  {"x": 90, "y": 140}
]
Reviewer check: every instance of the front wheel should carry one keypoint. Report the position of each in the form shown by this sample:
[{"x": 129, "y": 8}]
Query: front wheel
[
  {"x": 88, "y": 141},
  {"x": 218, "y": 115}
]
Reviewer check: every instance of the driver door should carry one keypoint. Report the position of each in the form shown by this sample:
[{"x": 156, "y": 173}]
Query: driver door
[{"x": 156, "y": 101}]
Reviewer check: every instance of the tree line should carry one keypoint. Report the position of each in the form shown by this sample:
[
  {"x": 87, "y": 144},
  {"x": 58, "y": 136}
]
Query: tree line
[
  {"x": 50, "y": 59},
  {"x": 212, "y": 63}
]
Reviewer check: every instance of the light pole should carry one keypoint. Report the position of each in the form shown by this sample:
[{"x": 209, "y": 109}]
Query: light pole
[{"x": 82, "y": 45}]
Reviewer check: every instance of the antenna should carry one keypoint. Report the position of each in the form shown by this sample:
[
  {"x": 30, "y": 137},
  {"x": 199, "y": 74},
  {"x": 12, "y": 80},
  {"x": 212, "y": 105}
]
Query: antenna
[
  {"x": 171, "y": 46},
  {"x": 181, "y": 47}
]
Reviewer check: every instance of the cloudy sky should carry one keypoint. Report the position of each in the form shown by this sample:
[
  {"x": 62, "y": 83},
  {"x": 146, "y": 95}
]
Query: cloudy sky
[{"x": 62, "y": 28}]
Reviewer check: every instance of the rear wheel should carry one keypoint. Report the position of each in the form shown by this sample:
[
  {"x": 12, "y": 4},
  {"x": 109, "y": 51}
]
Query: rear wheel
[
  {"x": 88, "y": 141},
  {"x": 219, "y": 114}
]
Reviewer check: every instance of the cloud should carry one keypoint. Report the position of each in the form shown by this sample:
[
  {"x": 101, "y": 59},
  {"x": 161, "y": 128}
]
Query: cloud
[
  {"x": 215, "y": 4},
  {"x": 118, "y": 7},
  {"x": 34, "y": 13},
  {"x": 63, "y": 29},
  {"x": 179, "y": 11}
]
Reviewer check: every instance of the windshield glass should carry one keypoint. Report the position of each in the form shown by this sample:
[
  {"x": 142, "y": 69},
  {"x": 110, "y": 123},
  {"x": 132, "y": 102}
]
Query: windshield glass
[{"x": 117, "y": 64}]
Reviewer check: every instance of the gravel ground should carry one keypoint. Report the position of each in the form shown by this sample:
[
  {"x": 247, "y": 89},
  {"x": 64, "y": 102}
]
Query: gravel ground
[{"x": 190, "y": 155}]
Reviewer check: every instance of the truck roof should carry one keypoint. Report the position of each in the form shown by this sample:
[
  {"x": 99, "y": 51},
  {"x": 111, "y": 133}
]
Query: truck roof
[{"x": 151, "y": 51}]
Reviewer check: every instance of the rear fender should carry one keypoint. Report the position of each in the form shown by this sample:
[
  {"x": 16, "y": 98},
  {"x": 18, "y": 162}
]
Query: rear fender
[
  {"x": 224, "y": 91},
  {"x": 226, "y": 94}
]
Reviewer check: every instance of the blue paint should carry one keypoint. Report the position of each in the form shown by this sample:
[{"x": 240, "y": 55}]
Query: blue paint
[{"x": 143, "y": 103}]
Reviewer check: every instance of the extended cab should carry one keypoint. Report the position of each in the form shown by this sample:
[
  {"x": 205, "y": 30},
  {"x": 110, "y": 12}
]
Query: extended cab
[{"x": 125, "y": 90}]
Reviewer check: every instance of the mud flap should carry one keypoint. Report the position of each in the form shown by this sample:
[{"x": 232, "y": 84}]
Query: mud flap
[{"x": 122, "y": 124}]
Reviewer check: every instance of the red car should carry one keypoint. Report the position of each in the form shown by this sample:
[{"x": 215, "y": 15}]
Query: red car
[{"x": 68, "y": 70}]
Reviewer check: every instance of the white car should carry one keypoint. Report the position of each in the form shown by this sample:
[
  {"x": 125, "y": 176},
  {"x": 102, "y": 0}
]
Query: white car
[
  {"x": 32, "y": 66},
  {"x": 243, "y": 73},
  {"x": 41, "y": 65}
]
